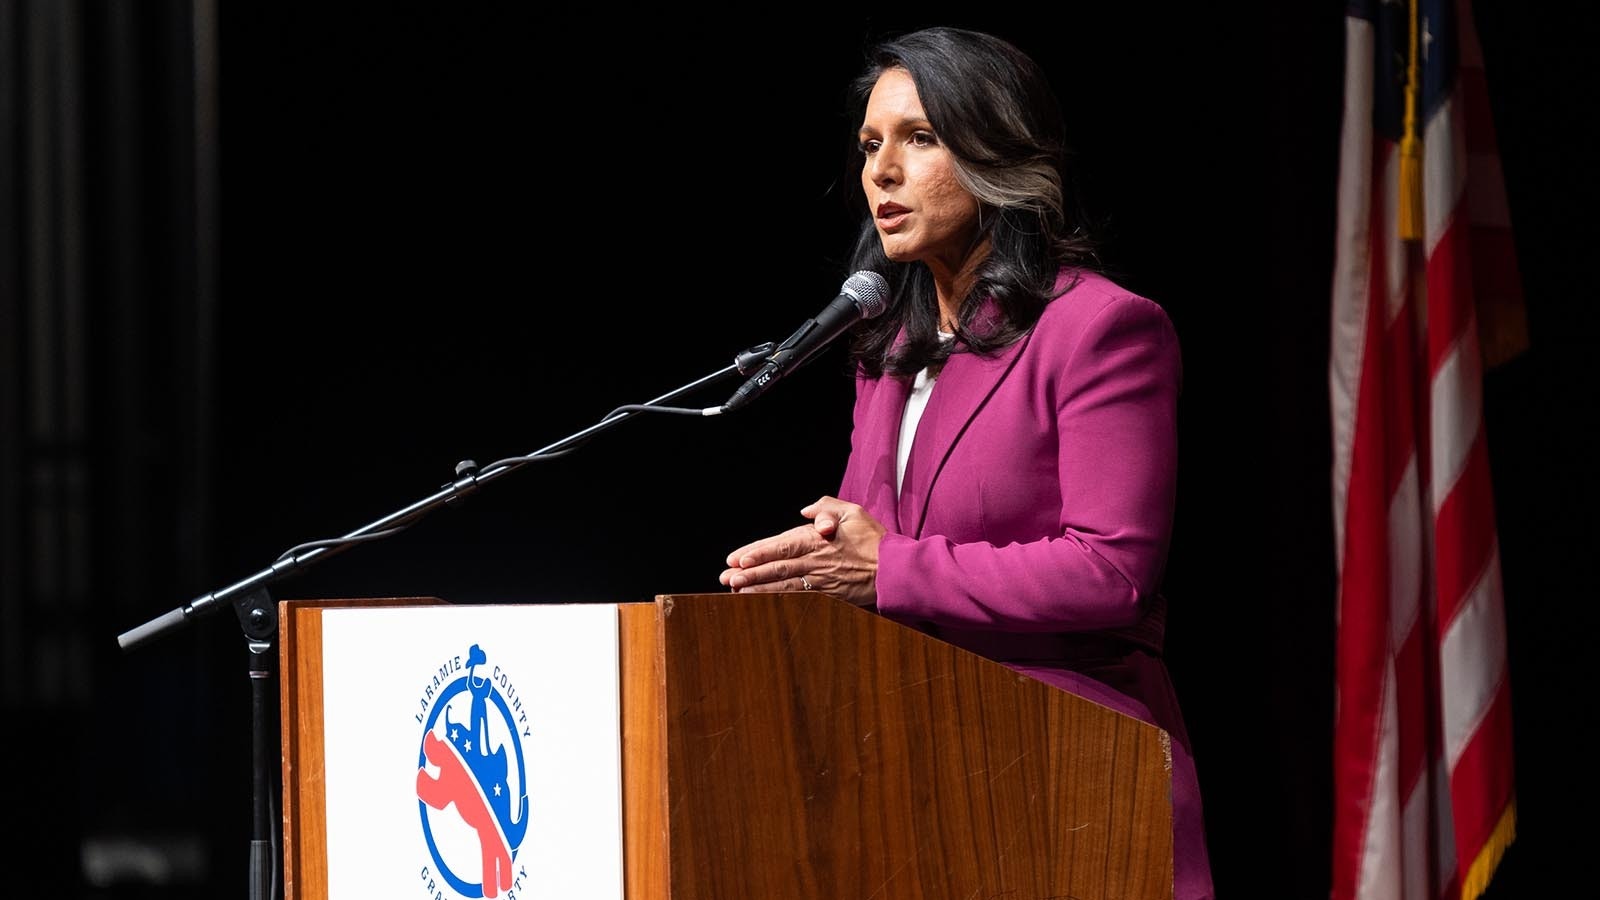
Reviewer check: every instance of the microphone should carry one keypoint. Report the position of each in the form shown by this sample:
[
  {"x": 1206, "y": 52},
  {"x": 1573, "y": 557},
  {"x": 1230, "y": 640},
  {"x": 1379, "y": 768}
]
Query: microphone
[{"x": 863, "y": 296}]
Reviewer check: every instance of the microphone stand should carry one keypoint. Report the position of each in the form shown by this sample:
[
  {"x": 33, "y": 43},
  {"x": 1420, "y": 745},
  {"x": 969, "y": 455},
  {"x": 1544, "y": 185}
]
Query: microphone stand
[{"x": 258, "y": 615}]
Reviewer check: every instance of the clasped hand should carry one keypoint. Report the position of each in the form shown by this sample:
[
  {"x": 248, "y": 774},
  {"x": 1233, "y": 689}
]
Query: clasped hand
[{"x": 836, "y": 552}]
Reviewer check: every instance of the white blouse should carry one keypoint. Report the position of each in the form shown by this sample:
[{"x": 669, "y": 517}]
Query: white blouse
[{"x": 921, "y": 387}]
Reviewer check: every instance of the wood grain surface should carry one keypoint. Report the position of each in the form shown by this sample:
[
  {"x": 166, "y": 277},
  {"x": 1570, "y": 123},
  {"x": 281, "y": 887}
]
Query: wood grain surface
[{"x": 816, "y": 750}]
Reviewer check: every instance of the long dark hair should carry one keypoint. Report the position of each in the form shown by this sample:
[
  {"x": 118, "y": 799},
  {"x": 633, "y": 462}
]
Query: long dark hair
[{"x": 993, "y": 108}]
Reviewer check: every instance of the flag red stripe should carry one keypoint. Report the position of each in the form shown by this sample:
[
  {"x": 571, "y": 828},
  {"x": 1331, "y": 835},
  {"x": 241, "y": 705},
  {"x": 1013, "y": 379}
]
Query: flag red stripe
[
  {"x": 1415, "y": 700},
  {"x": 1481, "y": 782},
  {"x": 1399, "y": 405},
  {"x": 1466, "y": 535},
  {"x": 1449, "y": 294}
]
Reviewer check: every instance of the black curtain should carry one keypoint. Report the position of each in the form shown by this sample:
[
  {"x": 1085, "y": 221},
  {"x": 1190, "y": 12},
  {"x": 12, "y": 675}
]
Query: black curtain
[{"x": 107, "y": 211}]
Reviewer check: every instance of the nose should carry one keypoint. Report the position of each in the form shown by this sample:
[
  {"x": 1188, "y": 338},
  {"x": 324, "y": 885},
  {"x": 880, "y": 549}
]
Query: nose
[{"x": 883, "y": 167}]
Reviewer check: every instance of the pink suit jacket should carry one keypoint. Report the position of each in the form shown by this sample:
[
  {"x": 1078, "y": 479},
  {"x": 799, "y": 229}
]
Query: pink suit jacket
[
  {"x": 1039, "y": 491},
  {"x": 1037, "y": 508}
]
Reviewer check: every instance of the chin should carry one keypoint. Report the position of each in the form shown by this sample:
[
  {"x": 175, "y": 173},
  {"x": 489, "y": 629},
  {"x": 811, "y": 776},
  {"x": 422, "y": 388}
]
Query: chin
[{"x": 899, "y": 253}]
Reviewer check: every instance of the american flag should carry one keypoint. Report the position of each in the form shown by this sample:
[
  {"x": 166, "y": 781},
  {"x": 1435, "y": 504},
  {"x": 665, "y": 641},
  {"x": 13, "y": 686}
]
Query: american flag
[{"x": 1424, "y": 805}]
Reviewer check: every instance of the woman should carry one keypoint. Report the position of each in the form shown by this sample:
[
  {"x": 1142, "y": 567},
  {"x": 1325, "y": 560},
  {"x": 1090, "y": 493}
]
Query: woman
[{"x": 1012, "y": 469}]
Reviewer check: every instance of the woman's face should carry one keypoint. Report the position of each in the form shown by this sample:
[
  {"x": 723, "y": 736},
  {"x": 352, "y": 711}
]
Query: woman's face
[{"x": 922, "y": 212}]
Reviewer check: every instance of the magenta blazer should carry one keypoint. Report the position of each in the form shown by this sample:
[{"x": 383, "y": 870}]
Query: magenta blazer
[{"x": 1037, "y": 509}]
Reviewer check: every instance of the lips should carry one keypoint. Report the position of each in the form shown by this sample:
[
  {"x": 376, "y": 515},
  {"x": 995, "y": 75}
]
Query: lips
[{"x": 891, "y": 215}]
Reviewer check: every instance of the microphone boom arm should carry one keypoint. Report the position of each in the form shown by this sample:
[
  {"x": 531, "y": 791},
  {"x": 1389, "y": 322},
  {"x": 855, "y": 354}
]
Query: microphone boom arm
[{"x": 469, "y": 478}]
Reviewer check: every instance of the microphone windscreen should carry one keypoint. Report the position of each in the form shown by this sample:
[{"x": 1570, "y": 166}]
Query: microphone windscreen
[{"x": 870, "y": 292}]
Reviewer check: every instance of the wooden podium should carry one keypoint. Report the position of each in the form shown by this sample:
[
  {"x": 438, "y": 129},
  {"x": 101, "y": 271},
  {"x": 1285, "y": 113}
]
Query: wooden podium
[{"x": 794, "y": 746}]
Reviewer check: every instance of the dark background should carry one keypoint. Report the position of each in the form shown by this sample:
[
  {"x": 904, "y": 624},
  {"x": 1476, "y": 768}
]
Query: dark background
[{"x": 268, "y": 271}]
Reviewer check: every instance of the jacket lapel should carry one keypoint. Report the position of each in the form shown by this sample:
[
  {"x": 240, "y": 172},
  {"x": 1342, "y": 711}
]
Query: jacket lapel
[
  {"x": 962, "y": 388},
  {"x": 879, "y": 446}
]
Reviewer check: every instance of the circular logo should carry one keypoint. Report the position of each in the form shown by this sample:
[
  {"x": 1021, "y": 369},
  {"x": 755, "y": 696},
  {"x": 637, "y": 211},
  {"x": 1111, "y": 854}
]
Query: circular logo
[{"x": 472, "y": 789}]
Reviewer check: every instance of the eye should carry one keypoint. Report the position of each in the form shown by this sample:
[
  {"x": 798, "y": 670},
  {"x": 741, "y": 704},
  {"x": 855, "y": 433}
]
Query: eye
[
  {"x": 924, "y": 139},
  {"x": 869, "y": 147}
]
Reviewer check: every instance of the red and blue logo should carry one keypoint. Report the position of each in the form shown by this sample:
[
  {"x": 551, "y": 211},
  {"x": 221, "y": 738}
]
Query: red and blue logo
[{"x": 472, "y": 789}]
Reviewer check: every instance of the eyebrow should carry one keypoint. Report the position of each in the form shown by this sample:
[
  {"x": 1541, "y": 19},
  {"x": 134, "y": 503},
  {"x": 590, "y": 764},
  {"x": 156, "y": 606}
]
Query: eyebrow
[{"x": 911, "y": 123}]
